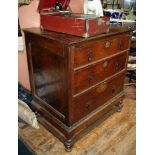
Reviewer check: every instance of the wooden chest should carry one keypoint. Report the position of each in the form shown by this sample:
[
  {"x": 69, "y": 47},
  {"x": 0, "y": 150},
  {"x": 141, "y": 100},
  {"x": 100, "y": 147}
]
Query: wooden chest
[{"x": 76, "y": 82}]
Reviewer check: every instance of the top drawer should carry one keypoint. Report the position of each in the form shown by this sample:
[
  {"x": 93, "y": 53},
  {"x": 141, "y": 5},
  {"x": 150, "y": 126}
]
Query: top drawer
[{"x": 93, "y": 51}]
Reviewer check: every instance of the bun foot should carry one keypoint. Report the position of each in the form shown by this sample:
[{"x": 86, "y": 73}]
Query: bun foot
[
  {"x": 68, "y": 149},
  {"x": 119, "y": 107},
  {"x": 68, "y": 145}
]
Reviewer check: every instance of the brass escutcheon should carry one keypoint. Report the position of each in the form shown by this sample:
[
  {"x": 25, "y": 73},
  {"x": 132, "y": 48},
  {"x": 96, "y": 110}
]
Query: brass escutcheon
[
  {"x": 105, "y": 64},
  {"x": 107, "y": 44},
  {"x": 102, "y": 87}
]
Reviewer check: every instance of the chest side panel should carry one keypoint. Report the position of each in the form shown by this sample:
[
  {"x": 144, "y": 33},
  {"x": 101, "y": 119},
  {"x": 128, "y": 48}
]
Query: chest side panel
[{"x": 47, "y": 65}]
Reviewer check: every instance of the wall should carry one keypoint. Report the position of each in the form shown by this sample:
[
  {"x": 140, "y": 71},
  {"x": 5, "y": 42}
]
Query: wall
[
  {"x": 76, "y": 6},
  {"x": 29, "y": 17}
]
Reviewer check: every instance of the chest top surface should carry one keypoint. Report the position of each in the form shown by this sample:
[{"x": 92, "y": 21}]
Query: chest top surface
[{"x": 69, "y": 39}]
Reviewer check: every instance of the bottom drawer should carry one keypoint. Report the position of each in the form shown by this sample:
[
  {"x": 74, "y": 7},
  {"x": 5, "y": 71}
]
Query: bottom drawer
[{"x": 90, "y": 100}]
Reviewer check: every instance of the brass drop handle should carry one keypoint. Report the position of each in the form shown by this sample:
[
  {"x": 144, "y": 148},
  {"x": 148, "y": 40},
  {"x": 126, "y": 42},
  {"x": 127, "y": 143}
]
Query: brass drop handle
[
  {"x": 88, "y": 106},
  {"x": 105, "y": 64},
  {"x": 120, "y": 45},
  {"x": 113, "y": 88},
  {"x": 107, "y": 44},
  {"x": 90, "y": 77},
  {"x": 89, "y": 55}
]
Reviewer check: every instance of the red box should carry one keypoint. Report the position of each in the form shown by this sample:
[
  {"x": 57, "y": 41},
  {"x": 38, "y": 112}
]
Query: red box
[{"x": 71, "y": 23}]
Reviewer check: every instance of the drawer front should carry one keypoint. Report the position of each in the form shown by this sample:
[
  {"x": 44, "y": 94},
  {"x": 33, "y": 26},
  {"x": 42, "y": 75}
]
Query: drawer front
[
  {"x": 89, "y": 101},
  {"x": 85, "y": 78},
  {"x": 100, "y": 49}
]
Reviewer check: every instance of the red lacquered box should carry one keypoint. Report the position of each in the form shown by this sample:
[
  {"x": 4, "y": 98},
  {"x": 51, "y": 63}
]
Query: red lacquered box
[{"x": 70, "y": 23}]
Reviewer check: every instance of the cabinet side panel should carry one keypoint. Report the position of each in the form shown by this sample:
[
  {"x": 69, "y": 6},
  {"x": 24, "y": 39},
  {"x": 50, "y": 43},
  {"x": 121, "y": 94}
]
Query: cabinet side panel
[{"x": 48, "y": 73}]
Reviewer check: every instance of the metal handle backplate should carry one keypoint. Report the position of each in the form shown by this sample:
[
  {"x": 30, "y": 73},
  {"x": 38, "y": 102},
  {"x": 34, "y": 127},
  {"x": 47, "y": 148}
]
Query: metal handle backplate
[
  {"x": 105, "y": 64},
  {"x": 102, "y": 88}
]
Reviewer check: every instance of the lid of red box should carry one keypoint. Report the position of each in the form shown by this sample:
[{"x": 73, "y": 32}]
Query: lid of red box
[{"x": 53, "y": 5}]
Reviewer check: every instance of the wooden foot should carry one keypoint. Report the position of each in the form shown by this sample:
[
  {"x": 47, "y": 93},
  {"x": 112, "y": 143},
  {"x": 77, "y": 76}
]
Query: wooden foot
[
  {"x": 68, "y": 145},
  {"x": 119, "y": 107}
]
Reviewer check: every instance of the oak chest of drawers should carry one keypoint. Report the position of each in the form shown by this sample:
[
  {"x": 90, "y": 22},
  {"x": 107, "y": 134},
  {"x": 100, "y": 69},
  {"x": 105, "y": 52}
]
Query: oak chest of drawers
[{"x": 75, "y": 82}]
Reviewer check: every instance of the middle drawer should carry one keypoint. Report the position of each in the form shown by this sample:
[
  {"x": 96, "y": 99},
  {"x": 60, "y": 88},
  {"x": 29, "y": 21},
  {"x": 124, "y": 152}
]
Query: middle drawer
[{"x": 96, "y": 73}]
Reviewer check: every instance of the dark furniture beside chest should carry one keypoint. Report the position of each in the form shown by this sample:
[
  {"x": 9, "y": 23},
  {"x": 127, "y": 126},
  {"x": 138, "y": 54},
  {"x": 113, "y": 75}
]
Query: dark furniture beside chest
[{"x": 76, "y": 82}]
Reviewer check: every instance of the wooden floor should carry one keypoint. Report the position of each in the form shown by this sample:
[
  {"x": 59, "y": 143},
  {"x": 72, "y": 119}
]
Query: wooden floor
[{"x": 114, "y": 136}]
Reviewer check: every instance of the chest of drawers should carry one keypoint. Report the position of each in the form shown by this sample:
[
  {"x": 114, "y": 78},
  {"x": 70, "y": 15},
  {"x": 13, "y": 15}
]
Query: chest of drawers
[{"x": 76, "y": 82}]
